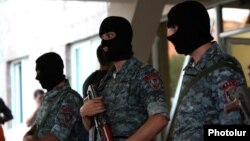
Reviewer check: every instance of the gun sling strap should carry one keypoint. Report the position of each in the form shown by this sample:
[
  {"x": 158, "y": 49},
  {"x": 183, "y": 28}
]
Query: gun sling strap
[
  {"x": 207, "y": 71},
  {"x": 198, "y": 77},
  {"x": 50, "y": 107}
]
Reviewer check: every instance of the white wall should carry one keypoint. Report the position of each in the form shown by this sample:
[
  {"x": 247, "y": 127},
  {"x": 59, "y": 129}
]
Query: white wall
[{"x": 29, "y": 28}]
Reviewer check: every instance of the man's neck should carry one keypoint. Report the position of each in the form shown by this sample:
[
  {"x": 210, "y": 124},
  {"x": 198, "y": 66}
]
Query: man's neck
[
  {"x": 105, "y": 67},
  {"x": 119, "y": 64},
  {"x": 60, "y": 84},
  {"x": 200, "y": 51}
]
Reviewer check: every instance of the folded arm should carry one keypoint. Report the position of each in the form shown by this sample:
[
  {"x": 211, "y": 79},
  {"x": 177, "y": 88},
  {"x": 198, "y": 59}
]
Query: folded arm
[{"x": 150, "y": 128}]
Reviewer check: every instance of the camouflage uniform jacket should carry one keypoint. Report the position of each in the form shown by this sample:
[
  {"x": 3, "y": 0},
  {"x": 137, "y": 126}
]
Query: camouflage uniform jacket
[
  {"x": 63, "y": 119},
  {"x": 131, "y": 96},
  {"x": 206, "y": 102}
]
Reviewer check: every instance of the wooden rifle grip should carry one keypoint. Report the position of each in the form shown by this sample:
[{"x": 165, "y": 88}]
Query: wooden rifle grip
[{"x": 106, "y": 132}]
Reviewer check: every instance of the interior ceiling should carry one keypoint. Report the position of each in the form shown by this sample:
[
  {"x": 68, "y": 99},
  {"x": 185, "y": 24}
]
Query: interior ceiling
[
  {"x": 207, "y": 3},
  {"x": 167, "y": 1}
]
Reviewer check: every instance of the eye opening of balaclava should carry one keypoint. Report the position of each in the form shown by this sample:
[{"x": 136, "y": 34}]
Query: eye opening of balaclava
[
  {"x": 193, "y": 23},
  {"x": 50, "y": 67},
  {"x": 119, "y": 48}
]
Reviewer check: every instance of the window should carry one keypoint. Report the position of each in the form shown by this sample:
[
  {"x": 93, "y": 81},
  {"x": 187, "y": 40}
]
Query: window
[
  {"x": 235, "y": 18},
  {"x": 236, "y": 15},
  {"x": 83, "y": 61},
  {"x": 18, "y": 90}
]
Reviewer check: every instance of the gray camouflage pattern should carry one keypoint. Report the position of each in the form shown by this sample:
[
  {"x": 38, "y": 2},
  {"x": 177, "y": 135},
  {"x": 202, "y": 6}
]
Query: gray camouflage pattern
[
  {"x": 63, "y": 119},
  {"x": 205, "y": 101},
  {"x": 131, "y": 97}
]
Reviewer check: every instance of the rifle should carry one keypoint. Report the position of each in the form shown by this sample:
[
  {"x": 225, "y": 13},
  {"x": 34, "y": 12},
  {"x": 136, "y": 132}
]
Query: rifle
[
  {"x": 243, "y": 96},
  {"x": 103, "y": 129}
]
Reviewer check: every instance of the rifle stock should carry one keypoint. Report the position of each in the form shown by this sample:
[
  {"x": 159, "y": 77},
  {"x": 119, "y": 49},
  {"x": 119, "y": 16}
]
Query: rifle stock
[
  {"x": 241, "y": 101},
  {"x": 243, "y": 96},
  {"x": 106, "y": 132},
  {"x": 103, "y": 129}
]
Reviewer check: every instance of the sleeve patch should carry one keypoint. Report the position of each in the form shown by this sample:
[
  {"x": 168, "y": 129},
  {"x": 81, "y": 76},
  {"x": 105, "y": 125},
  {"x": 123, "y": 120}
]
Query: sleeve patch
[
  {"x": 66, "y": 116},
  {"x": 154, "y": 81},
  {"x": 230, "y": 89}
]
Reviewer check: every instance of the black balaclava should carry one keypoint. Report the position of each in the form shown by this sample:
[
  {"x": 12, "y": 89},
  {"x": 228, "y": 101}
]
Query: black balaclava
[
  {"x": 119, "y": 48},
  {"x": 50, "y": 67},
  {"x": 100, "y": 56},
  {"x": 193, "y": 23}
]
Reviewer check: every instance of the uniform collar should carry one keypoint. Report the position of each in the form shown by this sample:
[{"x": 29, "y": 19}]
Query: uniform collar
[
  {"x": 57, "y": 90},
  {"x": 125, "y": 67},
  {"x": 206, "y": 59}
]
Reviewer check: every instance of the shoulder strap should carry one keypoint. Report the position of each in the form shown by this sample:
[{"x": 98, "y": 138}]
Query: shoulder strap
[
  {"x": 199, "y": 76},
  {"x": 207, "y": 71},
  {"x": 50, "y": 107}
]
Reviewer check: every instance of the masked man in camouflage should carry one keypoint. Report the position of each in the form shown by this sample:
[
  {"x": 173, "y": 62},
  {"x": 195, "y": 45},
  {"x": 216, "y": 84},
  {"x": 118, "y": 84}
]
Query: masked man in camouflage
[
  {"x": 58, "y": 118},
  {"x": 131, "y": 94},
  {"x": 212, "y": 99}
]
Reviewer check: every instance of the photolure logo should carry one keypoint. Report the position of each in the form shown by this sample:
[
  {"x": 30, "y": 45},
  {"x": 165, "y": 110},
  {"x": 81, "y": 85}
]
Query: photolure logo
[{"x": 213, "y": 132}]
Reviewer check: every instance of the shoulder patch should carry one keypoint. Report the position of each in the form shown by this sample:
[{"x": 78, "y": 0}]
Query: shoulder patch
[
  {"x": 66, "y": 116},
  {"x": 230, "y": 89},
  {"x": 154, "y": 80}
]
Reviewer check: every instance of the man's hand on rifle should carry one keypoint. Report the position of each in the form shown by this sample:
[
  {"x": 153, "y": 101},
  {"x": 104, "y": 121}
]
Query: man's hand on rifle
[{"x": 92, "y": 107}]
